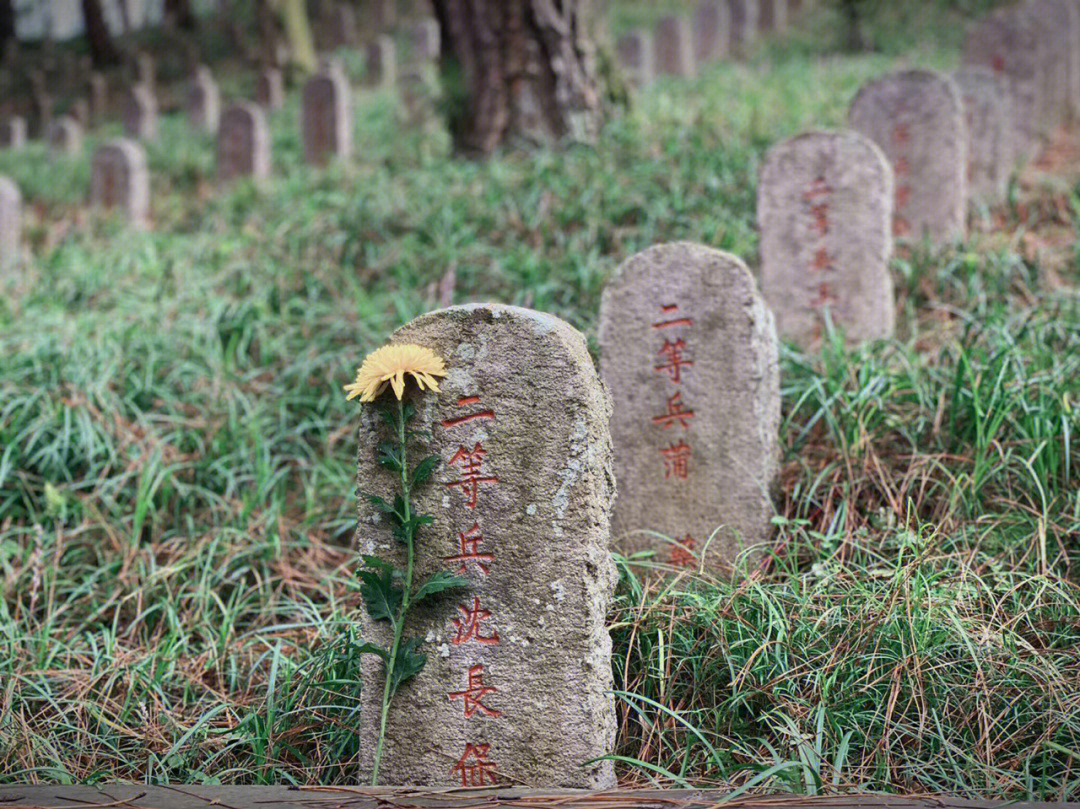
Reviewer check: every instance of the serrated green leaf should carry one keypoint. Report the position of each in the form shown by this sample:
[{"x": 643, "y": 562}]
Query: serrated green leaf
[
  {"x": 381, "y": 565},
  {"x": 439, "y": 582},
  {"x": 390, "y": 456},
  {"x": 408, "y": 412},
  {"x": 381, "y": 596},
  {"x": 382, "y": 505},
  {"x": 425, "y": 469},
  {"x": 389, "y": 416},
  {"x": 408, "y": 664},
  {"x": 371, "y": 649}
]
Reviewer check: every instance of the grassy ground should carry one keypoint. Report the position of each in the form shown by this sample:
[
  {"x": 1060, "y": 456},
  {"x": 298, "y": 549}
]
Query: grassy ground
[{"x": 177, "y": 588}]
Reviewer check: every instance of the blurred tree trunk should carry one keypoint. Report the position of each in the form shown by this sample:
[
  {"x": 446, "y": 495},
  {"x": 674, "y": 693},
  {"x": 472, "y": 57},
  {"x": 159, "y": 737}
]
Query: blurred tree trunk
[
  {"x": 518, "y": 71},
  {"x": 7, "y": 24},
  {"x": 102, "y": 50},
  {"x": 294, "y": 16}
]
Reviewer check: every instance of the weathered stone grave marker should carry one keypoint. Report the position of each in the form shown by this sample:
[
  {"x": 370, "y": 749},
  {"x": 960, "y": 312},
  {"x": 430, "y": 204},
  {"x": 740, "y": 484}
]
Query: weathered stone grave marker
[
  {"x": 204, "y": 100},
  {"x": 144, "y": 71},
  {"x": 120, "y": 179},
  {"x": 64, "y": 135},
  {"x": 710, "y": 31},
  {"x": 140, "y": 113},
  {"x": 381, "y": 61},
  {"x": 80, "y": 111},
  {"x": 689, "y": 352},
  {"x": 326, "y": 110},
  {"x": 743, "y": 24},
  {"x": 988, "y": 114},
  {"x": 270, "y": 88},
  {"x": 424, "y": 41},
  {"x": 825, "y": 204},
  {"x": 1058, "y": 26},
  {"x": 517, "y": 686},
  {"x": 672, "y": 49},
  {"x": 635, "y": 54},
  {"x": 13, "y": 132},
  {"x": 10, "y": 223},
  {"x": 344, "y": 25},
  {"x": 1006, "y": 42},
  {"x": 243, "y": 148},
  {"x": 917, "y": 119},
  {"x": 772, "y": 15},
  {"x": 98, "y": 94}
]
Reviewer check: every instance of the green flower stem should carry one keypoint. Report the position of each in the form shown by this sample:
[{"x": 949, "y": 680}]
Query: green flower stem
[{"x": 399, "y": 621}]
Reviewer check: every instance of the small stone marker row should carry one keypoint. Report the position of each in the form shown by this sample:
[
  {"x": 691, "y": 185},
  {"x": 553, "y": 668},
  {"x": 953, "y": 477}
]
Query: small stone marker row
[{"x": 716, "y": 30}]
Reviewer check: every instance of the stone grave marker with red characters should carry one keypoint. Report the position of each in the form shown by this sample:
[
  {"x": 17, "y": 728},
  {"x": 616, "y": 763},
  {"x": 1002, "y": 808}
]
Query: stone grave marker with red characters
[
  {"x": 988, "y": 114},
  {"x": 917, "y": 118},
  {"x": 119, "y": 178},
  {"x": 243, "y": 143},
  {"x": 824, "y": 213},
  {"x": 326, "y": 117},
  {"x": 517, "y": 685},
  {"x": 672, "y": 48},
  {"x": 689, "y": 353}
]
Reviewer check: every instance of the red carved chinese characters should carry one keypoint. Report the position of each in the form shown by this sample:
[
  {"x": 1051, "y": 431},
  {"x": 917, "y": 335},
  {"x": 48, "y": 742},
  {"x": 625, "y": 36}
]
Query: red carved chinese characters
[
  {"x": 470, "y": 542},
  {"x": 901, "y": 168},
  {"x": 675, "y": 364},
  {"x": 474, "y": 692},
  {"x": 472, "y": 624},
  {"x": 682, "y": 552},
  {"x": 472, "y": 476},
  {"x": 676, "y": 413},
  {"x": 816, "y": 200},
  {"x": 474, "y": 767},
  {"x": 677, "y": 460},
  {"x": 468, "y": 625}
]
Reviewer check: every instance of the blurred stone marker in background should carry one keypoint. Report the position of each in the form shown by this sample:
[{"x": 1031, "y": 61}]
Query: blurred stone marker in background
[
  {"x": 689, "y": 353},
  {"x": 326, "y": 116},
  {"x": 140, "y": 113},
  {"x": 825, "y": 204},
  {"x": 917, "y": 118},
  {"x": 710, "y": 31},
  {"x": 204, "y": 100},
  {"x": 988, "y": 114},
  {"x": 13, "y": 132},
  {"x": 1058, "y": 25},
  {"x": 517, "y": 686},
  {"x": 424, "y": 41},
  {"x": 772, "y": 15},
  {"x": 672, "y": 48},
  {"x": 144, "y": 70},
  {"x": 381, "y": 61},
  {"x": 64, "y": 135},
  {"x": 119, "y": 178},
  {"x": 742, "y": 24},
  {"x": 10, "y": 224},
  {"x": 243, "y": 148},
  {"x": 98, "y": 95},
  {"x": 635, "y": 55},
  {"x": 270, "y": 88},
  {"x": 1006, "y": 42}
]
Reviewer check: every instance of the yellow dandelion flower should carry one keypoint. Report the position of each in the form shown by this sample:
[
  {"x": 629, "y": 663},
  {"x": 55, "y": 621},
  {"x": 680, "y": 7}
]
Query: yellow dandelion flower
[{"x": 389, "y": 365}]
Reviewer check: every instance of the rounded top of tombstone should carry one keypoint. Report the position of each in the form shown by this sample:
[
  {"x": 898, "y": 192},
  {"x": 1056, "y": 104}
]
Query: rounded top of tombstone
[
  {"x": 498, "y": 314},
  {"x": 854, "y": 145},
  {"x": 124, "y": 149},
  {"x": 918, "y": 79}
]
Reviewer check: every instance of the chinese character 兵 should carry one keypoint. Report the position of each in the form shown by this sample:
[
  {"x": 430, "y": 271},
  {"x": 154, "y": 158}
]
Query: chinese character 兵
[
  {"x": 676, "y": 411},
  {"x": 470, "y": 543}
]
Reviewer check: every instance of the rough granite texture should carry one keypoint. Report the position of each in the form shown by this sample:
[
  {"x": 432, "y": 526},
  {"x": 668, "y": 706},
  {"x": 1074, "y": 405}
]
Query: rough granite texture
[
  {"x": 988, "y": 114},
  {"x": 64, "y": 135},
  {"x": 672, "y": 48},
  {"x": 243, "y": 143},
  {"x": 204, "y": 101},
  {"x": 1058, "y": 24},
  {"x": 119, "y": 178},
  {"x": 326, "y": 117},
  {"x": 140, "y": 113},
  {"x": 666, "y": 305},
  {"x": 917, "y": 118},
  {"x": 542, "y": 507},
  {"x": 635, "y": 54},
  {"x": 1007, "y": 42},
  {"x": 10, "y": 222},
  {"x": 824, "y": 212},
  {"x": 710, "y": 31}
]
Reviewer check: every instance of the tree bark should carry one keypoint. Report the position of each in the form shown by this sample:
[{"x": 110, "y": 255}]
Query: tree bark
[
  {"x": 102, "y": 50},
  {"x": 518, "y": 71},
  {"x": 7, "y": 24}
]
